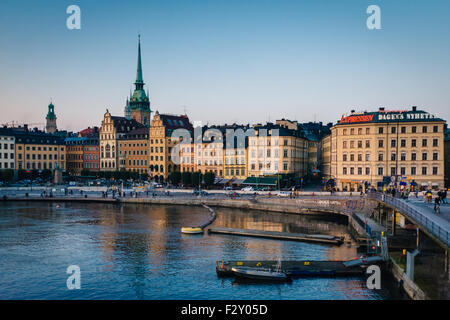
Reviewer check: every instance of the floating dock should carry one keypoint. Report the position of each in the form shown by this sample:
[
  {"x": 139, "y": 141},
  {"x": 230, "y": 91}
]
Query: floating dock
[
  {"x": 280, "y": 235},
  {"x": 304, "y": 268}
]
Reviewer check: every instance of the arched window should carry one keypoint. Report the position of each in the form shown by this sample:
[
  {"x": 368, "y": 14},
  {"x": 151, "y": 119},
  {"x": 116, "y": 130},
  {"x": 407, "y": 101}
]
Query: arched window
[{"x": 161, "y": 168}]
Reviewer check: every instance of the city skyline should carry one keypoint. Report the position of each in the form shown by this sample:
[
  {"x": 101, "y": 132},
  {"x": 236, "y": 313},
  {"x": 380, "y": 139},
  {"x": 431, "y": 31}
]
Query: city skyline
[{"x": 224, "y": 63}]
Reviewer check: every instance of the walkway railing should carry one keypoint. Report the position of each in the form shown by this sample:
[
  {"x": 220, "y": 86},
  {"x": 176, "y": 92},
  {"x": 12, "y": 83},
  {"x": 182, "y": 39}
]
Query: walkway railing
[{"x": 440, "y": 231}]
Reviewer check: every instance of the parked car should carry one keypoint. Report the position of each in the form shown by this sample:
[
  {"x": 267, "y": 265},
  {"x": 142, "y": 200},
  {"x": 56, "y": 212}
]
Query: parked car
[
  {"x": 284, "y": 193},
  {"x": 247, "y": 189}
]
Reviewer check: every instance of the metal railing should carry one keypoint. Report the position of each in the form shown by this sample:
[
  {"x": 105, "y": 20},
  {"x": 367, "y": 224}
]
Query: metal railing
[{"x": 438, "y": 231}]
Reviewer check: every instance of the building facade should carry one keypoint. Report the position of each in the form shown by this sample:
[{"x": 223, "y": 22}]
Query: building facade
[
  {"x": 37, "y": 150},
  {"x": 277, "y": 149},
  {"x": 112, "y": 129},
  {"x": 403, "y": 148},
  {"x": 7, "y": 149},
  {"x": 162, "y": 143},
  {"x": 134, "y": 151}
]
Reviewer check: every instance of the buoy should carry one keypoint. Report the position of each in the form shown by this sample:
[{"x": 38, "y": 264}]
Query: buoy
[{"x": 192, "y": 230}]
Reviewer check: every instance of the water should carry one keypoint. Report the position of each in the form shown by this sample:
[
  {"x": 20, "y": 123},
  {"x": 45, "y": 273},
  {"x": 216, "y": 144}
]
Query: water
[{"x": 137, "y": 252}]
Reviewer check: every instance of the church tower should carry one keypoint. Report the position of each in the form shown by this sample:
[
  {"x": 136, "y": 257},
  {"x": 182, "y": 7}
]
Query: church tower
[
  {"x": 51, "y": 119},
  {"x": 139, "y": 104}
]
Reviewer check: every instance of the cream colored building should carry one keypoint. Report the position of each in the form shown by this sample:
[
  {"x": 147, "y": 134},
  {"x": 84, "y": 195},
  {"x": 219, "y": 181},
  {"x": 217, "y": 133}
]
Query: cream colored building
[
  {"x": 112, "y": 129},
  {"x": 277, "y": 149},
  {"x": 401, "y": 148}
]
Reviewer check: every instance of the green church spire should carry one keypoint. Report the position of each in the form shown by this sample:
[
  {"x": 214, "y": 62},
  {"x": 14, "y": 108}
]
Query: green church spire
[{"x": 139, "y": 79}]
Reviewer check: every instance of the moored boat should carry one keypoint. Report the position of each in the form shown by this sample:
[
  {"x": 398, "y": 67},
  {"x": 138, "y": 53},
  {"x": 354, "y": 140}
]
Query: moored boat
[{"x": 192, "y": 230}]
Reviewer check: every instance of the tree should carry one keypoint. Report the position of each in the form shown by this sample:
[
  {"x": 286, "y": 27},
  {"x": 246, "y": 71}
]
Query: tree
[
  {"x": 210, "y": 176},
  {"x": 186, "y": 178},
  {"x": 46, "y": 174},
  {"x": 196, "y": 179},
  {"x": 175, "y": 177},
  {"x": 6, "y": 175}
]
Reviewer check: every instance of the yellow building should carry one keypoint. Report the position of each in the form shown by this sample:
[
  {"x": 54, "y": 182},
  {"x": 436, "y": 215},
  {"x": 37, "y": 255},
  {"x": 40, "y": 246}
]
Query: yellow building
[
  {"x": 134, "y": 151},
  {"x": 37, "y": 150},
  {"x": 401, "y": 148},
  {"x": 162, "y": 143}
]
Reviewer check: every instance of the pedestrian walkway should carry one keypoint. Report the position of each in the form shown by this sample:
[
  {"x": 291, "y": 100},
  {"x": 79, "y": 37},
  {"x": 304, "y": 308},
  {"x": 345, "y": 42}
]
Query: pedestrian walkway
[{"x": 421, "y": 205}]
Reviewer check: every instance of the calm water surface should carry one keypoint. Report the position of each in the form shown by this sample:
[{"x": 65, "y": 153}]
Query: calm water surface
[{"x": 138, "y": 252}]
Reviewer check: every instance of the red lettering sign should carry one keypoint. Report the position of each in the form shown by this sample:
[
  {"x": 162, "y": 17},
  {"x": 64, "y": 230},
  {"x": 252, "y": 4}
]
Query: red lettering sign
[{"x": 352, "y": 119}]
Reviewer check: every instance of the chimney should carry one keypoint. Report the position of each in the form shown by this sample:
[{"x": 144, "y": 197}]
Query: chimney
[
  {"x": 414, "y": 108},
  {"x": 353, "y": 111},
  {"x": 381, "y": 109}
]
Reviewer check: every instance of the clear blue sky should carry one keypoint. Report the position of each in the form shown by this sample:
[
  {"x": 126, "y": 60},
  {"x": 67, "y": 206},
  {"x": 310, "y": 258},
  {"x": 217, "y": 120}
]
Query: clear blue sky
[{"x": 224, "y": 61}]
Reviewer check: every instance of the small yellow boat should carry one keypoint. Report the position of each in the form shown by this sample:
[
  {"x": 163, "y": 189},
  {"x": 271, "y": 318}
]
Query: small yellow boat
[{"x": 191, "y": 230}]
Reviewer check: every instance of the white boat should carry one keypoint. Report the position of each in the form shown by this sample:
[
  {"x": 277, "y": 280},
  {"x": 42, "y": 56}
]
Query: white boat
[{"x": 265, "y": 274}]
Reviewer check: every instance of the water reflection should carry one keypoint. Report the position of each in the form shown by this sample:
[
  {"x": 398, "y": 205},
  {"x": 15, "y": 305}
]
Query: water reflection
[{"x": 138, "y": 252}]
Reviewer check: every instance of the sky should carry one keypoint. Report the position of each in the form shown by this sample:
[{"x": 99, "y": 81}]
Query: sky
[{"x": 223, "y": 61}]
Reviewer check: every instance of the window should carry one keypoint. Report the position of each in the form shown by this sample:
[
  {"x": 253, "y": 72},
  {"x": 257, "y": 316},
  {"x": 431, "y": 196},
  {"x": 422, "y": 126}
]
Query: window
[
  {"x": 435, "y": 156},
  {"x": 344, "y": 170},
  {"x": 352, "y": 131},
  {"x": 344, "y": 144},
  {"x": 413, "y": 129},
  {"x": 424, "y": 142},
  {"x": 424, "y": 129},
  {"x": 352, "y": 144},
  {"x": 435, "y": 142},
  {"x": 403, "y": 129},
  {"x": 360, "y": 157},
  {"x": 402, "y": 171},
  {"x": 367, "y": 156},
  {"x": 344, "y": 157},
  {"x": 380, "y": 143},
  {"x": 393, "y": 156},
  {"x": 352, "y": 157},
  {"x": 403, "y": 143},
  {"x": 359, "y": 144},
  {"x": 413, "y": 156},
  {"x": 367, "y": 170},
  {"x": 359, "y": 171},
  {"x": 393, "y": 130},
  {"x": 352, "y": 171},
  {"x": 393, "y": 171},
  {"x": 403, "y": 157},
  {"x": 435, "y": 129},
  {"x": 413, "y": 171},
  {"x": 367, "y": 143},
  {"x": 380, "y": 171},
  {"x": 380, "y": 157},
  {"x": 380, "y": 130},
  {"x": 413, "y": 143},
  {"x": 367, "y": 130},
  {"x": 424, "y": 156},
  {"x": 435, "y": 171},
  {"x": 424, "y": 171},
  {"x": 393, "y": 142}
]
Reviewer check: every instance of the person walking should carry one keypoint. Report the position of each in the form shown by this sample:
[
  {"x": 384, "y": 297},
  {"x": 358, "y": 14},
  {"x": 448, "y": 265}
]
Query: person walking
[{"x": 444, "y": 196}]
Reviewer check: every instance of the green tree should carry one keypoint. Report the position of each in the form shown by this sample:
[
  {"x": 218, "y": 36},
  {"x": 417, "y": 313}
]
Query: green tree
[
  {"x": 175, "y": 177},
  {"x": 210, "y": 176},
  {"x": 6, "y": 175},
  {"x": 186, "y": 178},
  {"x": 196, "y": 179},
  {"x": 46, "y": 174}
]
